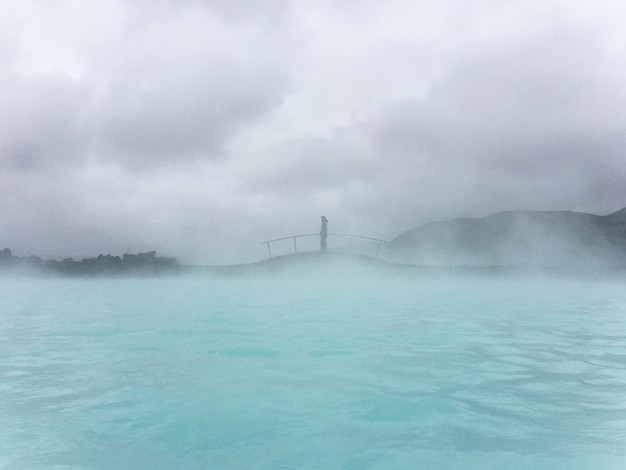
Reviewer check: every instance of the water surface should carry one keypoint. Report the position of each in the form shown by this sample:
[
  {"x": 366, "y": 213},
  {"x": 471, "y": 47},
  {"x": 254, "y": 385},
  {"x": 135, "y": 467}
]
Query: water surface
[{"x": 337, "y": 372}]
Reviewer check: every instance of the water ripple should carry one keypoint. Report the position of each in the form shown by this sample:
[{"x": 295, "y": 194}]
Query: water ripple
[{"x": 242, "y": 374}]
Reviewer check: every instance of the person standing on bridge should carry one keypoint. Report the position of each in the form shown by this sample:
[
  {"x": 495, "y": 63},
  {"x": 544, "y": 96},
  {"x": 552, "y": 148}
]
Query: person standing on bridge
[{"x": 323, "y": 234}]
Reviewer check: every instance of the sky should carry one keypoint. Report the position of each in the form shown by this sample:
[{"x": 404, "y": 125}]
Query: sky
[{"x": 201, "y": 128}]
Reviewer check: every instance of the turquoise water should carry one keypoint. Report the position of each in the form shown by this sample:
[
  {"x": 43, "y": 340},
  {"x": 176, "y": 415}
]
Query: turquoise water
[{"x": 341, "y": 373}]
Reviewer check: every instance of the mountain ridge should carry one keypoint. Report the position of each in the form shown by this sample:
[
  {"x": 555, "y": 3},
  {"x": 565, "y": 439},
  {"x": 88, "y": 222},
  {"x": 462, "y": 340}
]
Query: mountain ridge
[{"x": 517, "y": 237}]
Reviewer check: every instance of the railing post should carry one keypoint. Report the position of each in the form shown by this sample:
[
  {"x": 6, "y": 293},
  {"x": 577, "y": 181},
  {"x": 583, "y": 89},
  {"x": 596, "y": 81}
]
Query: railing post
[
  {"x": 269, "y": 250},
  {"x": 295, "y": 247}
]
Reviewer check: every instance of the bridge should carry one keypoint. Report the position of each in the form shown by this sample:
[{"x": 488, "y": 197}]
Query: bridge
[{"x": 350, "y": 238}]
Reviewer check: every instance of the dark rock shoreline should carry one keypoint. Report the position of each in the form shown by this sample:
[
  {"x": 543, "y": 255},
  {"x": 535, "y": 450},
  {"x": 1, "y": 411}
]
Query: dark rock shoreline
[
  {"x": 103, "y": 265},
  {"x": 325, "y": 265}
]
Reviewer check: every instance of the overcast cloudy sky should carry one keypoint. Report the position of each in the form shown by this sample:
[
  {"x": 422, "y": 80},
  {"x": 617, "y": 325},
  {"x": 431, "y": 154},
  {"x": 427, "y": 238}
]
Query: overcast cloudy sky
[{"x": 200, "y": 128}]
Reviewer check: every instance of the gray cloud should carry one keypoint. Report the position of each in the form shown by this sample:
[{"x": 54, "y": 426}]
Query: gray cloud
[
  {"x": 200, "y": 128},
  {"x": 185, "y": 115},
  {"x": 526, "y": 114},
  {"x": 43, "y": 121},
  {"x": 313, "y": 163}
]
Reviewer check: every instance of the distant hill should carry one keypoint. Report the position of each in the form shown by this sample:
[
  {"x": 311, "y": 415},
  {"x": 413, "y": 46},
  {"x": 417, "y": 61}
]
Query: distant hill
[{"x": 526, "y": 238}]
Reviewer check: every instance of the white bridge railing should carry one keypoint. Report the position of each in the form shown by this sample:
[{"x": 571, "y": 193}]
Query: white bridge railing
[{"x": 349, "y": 236}]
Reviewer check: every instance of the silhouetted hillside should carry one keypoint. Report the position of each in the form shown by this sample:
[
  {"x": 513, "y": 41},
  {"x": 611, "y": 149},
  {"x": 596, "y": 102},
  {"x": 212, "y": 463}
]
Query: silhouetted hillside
[{"x": 561, "y": 238}]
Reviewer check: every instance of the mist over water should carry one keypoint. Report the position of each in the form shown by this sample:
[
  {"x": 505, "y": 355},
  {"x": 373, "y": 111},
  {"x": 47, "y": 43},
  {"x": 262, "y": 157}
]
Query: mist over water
[
  {"x": 345, "y": 369},
  {"x": 312, "y": 235}
]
